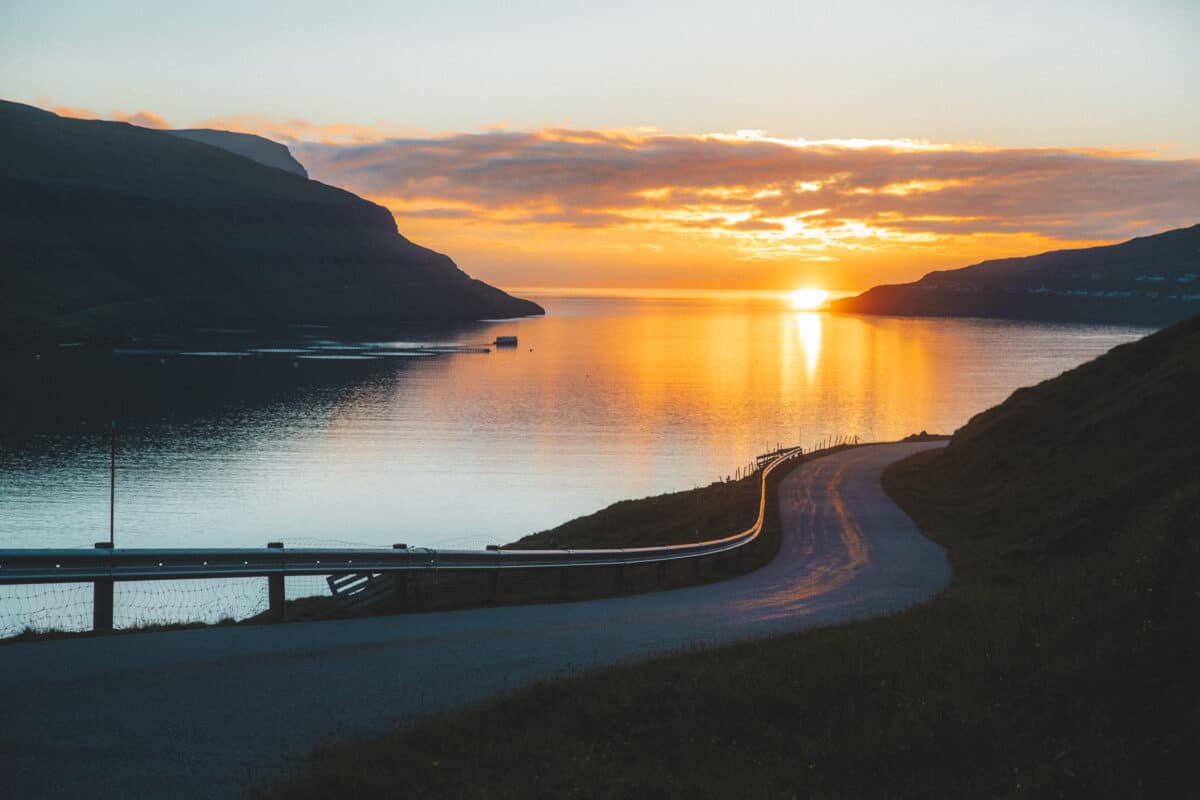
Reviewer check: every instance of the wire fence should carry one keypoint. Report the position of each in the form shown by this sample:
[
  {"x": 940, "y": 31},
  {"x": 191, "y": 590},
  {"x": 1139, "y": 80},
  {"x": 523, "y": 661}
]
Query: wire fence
[
  {"x": 67, "y": 607},
  {"x": 40, "y": 607}
]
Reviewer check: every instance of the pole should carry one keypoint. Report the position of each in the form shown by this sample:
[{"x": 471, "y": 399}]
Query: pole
[
  {"x": 102, "y": 598},
  {"x": 112, "y": 481},
  {"x": 275, "y": 596}
]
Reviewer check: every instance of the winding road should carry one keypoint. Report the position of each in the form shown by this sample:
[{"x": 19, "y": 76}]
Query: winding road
[{"x": 205, "y": 713}]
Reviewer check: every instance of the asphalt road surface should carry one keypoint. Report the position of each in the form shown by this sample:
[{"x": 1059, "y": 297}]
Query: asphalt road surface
[{"x": 207, "y": 713}]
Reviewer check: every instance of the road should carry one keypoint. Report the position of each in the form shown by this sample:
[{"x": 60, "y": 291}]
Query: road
[{"x": 205, "y": 713}]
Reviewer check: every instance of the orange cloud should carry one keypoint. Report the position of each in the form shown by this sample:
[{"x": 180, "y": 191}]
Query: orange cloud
[
  {"x": 144, "y": 119},
  {"x": 637, "y": 207},
  {"x": 856, "y": 207},
  {"x": 73, "y": 112}
]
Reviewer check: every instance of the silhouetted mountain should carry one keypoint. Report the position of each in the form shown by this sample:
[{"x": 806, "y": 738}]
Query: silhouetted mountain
[
  {"x": 1150, "y": 280},
  {"x": 255, "y": 148},
  {"x": 111, "y": 229}
]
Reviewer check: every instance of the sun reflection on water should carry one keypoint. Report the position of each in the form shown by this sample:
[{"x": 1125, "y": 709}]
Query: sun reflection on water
[{"x": 808, "y": 331}]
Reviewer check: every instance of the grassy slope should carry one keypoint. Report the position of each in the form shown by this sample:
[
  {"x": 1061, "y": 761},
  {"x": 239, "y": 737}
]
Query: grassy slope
[
  {"x": 1058, "y": 662},
  {"x": 710, "y": 512}
]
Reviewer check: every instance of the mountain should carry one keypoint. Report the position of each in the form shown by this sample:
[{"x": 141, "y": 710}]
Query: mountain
[
  {"x": 255, "y": 148},
  {"x": 1151, "y": 280},
  {"x": 109, "y": 229}
]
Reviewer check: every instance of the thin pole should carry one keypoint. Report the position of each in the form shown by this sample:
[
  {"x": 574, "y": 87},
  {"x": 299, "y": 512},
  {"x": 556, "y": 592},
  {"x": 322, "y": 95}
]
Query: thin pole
[{"x": 112, "y": 481}]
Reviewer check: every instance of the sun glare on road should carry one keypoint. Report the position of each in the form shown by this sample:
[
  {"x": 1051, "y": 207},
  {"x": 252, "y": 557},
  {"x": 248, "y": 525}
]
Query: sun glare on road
[{"x": 809, "y": 299}]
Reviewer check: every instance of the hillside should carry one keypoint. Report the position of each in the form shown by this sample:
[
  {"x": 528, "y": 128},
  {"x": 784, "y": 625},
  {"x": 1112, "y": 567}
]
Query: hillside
[
  {"x": 1074, "y": 459},
  {"x": 111, "y": 229},
  {"x": 1072, "y": 511},
  {"x": 1151, "y": 280},
  {"x": 1058, "y": 663}
]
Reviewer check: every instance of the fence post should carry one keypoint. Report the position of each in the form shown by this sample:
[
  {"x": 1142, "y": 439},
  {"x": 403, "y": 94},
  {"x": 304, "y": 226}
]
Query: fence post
[
  {"x": 275, "y": 596},
  {"x": 102, "y": 598}
]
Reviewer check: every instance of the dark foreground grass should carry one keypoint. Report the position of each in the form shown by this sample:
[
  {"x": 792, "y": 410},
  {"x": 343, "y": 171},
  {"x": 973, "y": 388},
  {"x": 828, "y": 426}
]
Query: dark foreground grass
[
  {"x": 31, "y": 634},
  {"x": 1060, "y": 662}
]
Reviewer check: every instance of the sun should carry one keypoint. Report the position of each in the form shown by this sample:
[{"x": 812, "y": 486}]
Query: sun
[{"x": 809, "y": 299}]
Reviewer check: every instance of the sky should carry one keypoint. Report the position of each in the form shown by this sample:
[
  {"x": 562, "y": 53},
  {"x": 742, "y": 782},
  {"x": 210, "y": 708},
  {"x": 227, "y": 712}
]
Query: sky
[{"x": 758, "y": 144}]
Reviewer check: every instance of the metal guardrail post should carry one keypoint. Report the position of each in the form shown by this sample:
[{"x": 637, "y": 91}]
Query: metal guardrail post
[
  {"x": 102, "y": 598},
  {"x": 400, "y": 582},
  {"x": 275, "y": 595},
  {"x": 493, "y": 575}
]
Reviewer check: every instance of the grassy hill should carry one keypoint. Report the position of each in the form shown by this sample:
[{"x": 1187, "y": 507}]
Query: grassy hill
[
  {"x": 1075, "y": 460},
  {"x": 1149, "y": 280},
  {"x": 1058, "y": 663},
  {"x": 111, "y": 229},
  {"x": 719, "y": 509}
]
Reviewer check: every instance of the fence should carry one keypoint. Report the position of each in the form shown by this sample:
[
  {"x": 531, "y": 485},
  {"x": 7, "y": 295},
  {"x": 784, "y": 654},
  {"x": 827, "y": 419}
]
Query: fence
[{"x": 104, "y": 566}]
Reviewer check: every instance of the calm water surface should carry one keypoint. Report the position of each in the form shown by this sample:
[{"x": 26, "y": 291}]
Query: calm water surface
[{"x": 604, "y": 399}]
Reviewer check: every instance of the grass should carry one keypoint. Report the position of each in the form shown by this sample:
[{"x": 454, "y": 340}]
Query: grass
[
  {"x": 31, "y": 634},
  {"x": 708, "y": 512},
  {"x": 1058, "y": 663}
]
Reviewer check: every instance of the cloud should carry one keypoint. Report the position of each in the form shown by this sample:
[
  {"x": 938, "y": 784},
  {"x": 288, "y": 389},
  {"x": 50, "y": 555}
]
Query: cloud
[
  {"x": 436, "y": 213},
  {"x": 768, "y": 189},
  {"x": 755, "y": 225},
  {"x": 297, "y": 130},
  {"x": 145, "y": 119},
  {"x": 744, "y": 196},
  {"x": 73, "y": 112}
]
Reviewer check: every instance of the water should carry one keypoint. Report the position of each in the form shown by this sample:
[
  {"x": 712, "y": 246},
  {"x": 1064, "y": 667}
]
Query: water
[{"x": 246, "y": 439}]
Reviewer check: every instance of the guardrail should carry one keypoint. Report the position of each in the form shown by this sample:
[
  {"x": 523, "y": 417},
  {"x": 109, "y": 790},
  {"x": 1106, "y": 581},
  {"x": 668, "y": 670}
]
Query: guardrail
[{"x": 105, "y": 565}]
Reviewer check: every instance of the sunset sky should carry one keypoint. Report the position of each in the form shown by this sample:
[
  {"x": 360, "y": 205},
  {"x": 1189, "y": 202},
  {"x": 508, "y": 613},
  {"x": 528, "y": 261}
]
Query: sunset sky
[{"x": 700, "y": 144}]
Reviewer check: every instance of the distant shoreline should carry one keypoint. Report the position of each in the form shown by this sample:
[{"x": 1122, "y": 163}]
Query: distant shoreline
[{"x": 662, "y": 293}]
